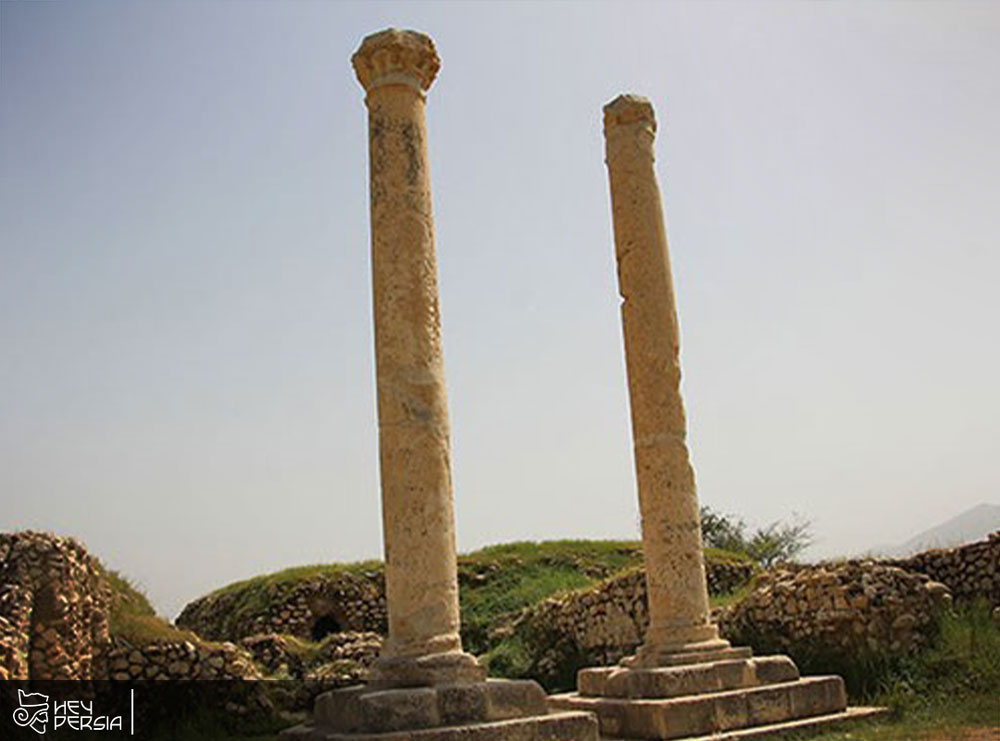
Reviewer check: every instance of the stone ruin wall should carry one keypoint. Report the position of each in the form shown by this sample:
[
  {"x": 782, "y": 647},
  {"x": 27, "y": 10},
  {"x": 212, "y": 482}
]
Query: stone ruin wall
[
  {"x": 179, "y": 660},
  {"x": 882, "y": 607},
  {"x": 970, "y": 571},
  {"x": 54, "y": 604},
  {"x": 55, "y": 607},
  {"x": 356, "y": 604},
  {"x": 600, "y": 625},
  {"x": 309, "y": 610},
  {"x": 855, "y": 607}
]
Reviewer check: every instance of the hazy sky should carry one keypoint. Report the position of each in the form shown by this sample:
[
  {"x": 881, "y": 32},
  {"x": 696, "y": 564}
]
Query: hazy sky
[{"x": 186, "y": 365}]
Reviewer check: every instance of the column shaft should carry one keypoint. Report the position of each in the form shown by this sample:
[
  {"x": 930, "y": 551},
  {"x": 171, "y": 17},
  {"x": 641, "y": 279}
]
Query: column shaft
[
  {"x": 423, "y": 645},
  {"x": 679, "y": 618}
]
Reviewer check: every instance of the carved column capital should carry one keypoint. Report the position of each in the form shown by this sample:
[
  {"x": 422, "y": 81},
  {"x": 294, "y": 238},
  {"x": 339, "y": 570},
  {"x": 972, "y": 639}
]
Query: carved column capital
[{"x": 396, "y": 57}]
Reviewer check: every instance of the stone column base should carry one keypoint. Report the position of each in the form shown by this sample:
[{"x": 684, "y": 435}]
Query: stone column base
[
  {"x": 739, "y": 695},
  {"x": 450, "y": 667},
  {"x": 492, "y": 710},
  {"x": 651, "y": 657}
]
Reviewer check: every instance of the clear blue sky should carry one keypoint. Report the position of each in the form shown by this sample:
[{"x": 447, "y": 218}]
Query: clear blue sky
[{"x": 186, "y": 367}]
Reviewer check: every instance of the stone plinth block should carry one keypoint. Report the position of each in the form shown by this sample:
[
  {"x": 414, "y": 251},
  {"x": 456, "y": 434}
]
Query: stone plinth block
[
  {"x": 445, "y": 709},
  {"x": 694, "y": 715},
  {"x": 652, "y": 656},
  {"x": 555, "y": 727},
  {"x": 695, "y": 679},
  {"x": 802, "y": 725}
]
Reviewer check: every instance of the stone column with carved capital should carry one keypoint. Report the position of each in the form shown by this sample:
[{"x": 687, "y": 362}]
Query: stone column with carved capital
[
  {"x": 396, "y": 69},
  {"x": 423, "y": 686},
  {"x": 679, "y": 619}
]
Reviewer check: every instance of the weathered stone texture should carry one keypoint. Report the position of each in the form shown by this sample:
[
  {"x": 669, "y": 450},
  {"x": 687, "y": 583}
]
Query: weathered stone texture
[
  {"x": 396, "y": 68},
  {"x": 851, "y": 608},
  {"x": 179, "y": 660},
  {"x": 668, "y": 504},
  {"x": 600, "y": 625},
  {"x": 970, "y": 571},
  {"x": 423, "y": 685},
  {"x": 711, "y": 712},
  {"x": 53, "y": 608},
  {"x": 346, "y": 602}
]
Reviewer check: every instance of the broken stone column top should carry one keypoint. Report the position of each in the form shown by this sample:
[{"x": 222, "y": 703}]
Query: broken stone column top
[
  {"x": 629, "y": 109},
  {"x": 396, "y": 57}
]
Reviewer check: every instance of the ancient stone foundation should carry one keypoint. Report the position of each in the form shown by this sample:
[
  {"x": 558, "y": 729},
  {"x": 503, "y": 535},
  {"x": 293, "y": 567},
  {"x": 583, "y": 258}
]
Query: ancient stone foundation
[
  {"x": 685, "y": 680},
  {"x": 53, "y": 608},
  {"x": 423, "y": 685}
]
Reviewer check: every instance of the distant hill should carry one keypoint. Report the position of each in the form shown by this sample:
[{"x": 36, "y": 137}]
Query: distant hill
[{"x": 971, "y": 525}]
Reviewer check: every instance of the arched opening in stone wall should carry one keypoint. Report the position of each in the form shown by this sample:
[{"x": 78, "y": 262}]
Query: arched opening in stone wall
[{"x": 324, "y": 626}]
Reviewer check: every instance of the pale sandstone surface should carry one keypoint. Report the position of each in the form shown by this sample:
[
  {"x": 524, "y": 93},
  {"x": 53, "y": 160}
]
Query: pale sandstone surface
[
  {"x": 423, "y": 685},
  {"x": 396, "y": 68},
  {"x": 679, "y": 618},
  {"x": 684, "y": 680}
]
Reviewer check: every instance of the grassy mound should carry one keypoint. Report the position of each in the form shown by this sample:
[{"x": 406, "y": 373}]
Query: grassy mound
[
  {"x": 133, "y": 619},
  {"x": 493, "y": 582},
  {"x": 224, "y": 613},
  {"x": 502, "y": 579}
]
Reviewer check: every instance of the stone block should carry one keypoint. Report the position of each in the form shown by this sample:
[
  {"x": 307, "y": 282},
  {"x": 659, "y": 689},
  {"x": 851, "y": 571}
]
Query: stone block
[
  {"x": 555, "y": 727},
  {"x": 684, "y": 716},
  {"x": 376, "y": 709},
  {"x": 462, "y": 703},
  {"x": 688, "y": 679},
  {"x": 773, "y": 669},
  {"x": 689, "y": 657},
  {"x": 770, "y": 704},
  {"x": 352, "y": 710},
  {"x": 591, "y": 682},
  {"x": 732, "y": 711},
  {"x": 513, "y": 698},
  {"x": 817, "y": 695},
  {"x": 712, "y": 712}
]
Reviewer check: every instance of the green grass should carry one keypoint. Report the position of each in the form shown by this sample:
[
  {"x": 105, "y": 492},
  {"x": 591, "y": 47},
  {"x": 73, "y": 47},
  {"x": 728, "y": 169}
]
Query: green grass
[
  {"x": 132, "y": 617},
  {"x": 731, "y": 598},
  {"x": 514, "y": 576},
  {"x": 294, "y": 575},
  {"x": 495, "y": 581},
  {"x": 953, "y": 684},
  {"x": 615, "y": 554},
  {"x": 252, "y": 596}
]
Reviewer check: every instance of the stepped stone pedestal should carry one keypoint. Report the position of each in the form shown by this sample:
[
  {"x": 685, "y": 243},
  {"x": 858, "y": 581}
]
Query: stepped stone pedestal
[
  {"x": 423, "y": 685},
  {"x": 684, "y": 681},
  {"x": 747, "y": 697}
]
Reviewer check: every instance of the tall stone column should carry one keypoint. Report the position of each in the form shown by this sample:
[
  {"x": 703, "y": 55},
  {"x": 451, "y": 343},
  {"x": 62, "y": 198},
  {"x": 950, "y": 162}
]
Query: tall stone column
[
  {"x": 423, "y": 687},
  {"x": 396, "y": 69},
  {"x": 679, "y": 618},
  {"x": 684, "y": 681}
]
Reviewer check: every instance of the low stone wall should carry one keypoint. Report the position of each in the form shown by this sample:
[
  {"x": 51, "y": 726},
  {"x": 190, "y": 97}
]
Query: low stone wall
[
  {"x": 854, "y": 608},
  {"x": 597, "y": 626},
  {"x": 310, "y": 609},
  {"x": 724, "y": 577},
  {"x": 970, "y": 571},
  {"x": 53, "y": 608},
  {"x": 180, "y": 660}
]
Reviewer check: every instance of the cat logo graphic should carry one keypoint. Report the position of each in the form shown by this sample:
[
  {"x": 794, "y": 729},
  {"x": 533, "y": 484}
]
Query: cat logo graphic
[{"x": 34, "y": 710}]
